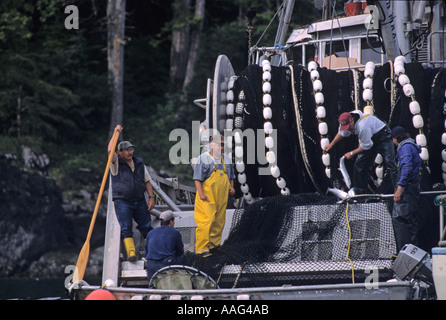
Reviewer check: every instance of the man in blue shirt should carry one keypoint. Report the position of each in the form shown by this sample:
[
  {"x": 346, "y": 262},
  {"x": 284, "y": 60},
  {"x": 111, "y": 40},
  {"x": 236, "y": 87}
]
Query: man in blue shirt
[
  {"x": 407, "y": 190},
  {"x": 164, "y": 245}
]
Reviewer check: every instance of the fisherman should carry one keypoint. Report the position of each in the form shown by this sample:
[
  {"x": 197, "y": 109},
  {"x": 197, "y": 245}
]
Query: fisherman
[
  {"x": 374, "y": 137},
  {"x": 407, "y": 189},
  {"x": 214, "y": 179},
  {"x": 164, "y": 245},
  {"x": 130, "y": 179}
]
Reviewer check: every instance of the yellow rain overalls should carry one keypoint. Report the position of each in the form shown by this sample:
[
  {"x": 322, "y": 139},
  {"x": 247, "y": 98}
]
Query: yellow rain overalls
[{"x": 210, "y": 216}]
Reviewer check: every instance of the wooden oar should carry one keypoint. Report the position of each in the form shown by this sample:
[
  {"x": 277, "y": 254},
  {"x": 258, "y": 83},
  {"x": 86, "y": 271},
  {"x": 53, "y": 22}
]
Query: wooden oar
[{"x": 82, "y": 260}]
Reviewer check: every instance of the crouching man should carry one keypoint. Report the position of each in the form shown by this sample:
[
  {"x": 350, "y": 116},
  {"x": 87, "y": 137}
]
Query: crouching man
[{"x": 164, "y": 245}]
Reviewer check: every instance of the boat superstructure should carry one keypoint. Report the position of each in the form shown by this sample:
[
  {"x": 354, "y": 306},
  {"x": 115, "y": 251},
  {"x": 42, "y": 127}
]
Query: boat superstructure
[{"x": 325, "y": 249}]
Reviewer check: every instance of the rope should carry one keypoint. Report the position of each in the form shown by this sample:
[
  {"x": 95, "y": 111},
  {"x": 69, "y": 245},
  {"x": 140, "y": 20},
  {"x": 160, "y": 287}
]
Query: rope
[
  {"x": 356, "y": 85},
  {"x": 392, "y": 90},
  {"x": 439, "y": 202},
  {"x": 271, "y": 21},
  {"x": 333, "y": 15},
  {"x": 221, "y": 272},
  {"x": 238, "y": 275},
  {"x": 300, "y": 133},
  {"x": 348, "y": 248}
]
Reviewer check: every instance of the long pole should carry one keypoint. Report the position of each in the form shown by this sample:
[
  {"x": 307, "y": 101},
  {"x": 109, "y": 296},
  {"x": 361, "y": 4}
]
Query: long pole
[{"x": 82, "y": 260}]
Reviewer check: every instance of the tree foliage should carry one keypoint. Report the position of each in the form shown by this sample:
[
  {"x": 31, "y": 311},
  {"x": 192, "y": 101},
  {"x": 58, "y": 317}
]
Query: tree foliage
[
  {"x": 54, "y": 87},
  {"x": 31, "y": 102}
]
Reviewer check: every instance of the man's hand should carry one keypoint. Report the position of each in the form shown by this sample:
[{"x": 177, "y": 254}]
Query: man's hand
[
  {"x": 328, "y": 147},
  {"x": 232, "y": 191},
  {"x": 203, "y": 197},
  {"x": 397, "y": 195},
  {"x": 151, "y": 203},
  {"x": 348, "y": 155}
]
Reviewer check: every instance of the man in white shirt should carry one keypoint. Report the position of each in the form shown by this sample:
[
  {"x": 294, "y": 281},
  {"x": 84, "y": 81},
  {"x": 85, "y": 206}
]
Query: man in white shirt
[{"x": 374, "y": 137}]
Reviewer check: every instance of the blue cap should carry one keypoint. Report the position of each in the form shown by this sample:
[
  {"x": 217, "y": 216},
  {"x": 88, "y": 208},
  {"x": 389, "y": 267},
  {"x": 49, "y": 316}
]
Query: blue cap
[{"x": 398, "y": 131}]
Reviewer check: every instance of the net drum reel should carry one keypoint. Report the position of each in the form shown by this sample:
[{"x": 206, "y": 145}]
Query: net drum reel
[
  {"x": 221, "y": 95},
  {"x": 177, "y": 277}
]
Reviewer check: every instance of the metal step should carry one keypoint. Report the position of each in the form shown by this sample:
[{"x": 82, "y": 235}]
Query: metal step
[{"x": 133, "y": 274}]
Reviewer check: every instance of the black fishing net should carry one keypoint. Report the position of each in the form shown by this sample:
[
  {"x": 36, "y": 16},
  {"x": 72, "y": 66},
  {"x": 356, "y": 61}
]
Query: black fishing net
[
  {"x": 303, "y": 239},
  {"x": 307, "y": 237},
  {"x": 341, "y": 90},
  {"x": 289, "y": 158}
]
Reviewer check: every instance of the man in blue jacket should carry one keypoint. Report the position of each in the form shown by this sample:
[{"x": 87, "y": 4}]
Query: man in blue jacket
[
  {"x": 164, "y": 245},
  {"x": 407, "y": 190}
]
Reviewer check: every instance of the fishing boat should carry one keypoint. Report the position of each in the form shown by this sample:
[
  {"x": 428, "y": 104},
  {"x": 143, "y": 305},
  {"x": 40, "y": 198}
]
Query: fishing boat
[{"x": 287, "y": 238}]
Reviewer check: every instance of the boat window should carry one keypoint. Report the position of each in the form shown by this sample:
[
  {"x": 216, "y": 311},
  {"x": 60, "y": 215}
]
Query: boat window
[
  {"x": 310, "y": 53},
  {"x": 297, "y": 54},
  {"x": 338, "y": 48},
  {"x": 370, "y": 50}
]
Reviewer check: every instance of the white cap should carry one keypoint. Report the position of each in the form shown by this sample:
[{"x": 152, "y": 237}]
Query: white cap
[{"x": 167, "y": 215}]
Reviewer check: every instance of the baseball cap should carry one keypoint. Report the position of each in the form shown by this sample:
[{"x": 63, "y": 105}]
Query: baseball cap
[
  {"x": 167, "y": 215},
  {"x": 125, "y": 145},
  {"x": 344, "y": 120},
  {"x": 398, "y": 131}
]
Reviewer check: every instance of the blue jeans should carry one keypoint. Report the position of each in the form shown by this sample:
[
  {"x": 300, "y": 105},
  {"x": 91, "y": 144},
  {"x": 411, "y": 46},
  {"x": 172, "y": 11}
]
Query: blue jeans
[
  {"x": 405, "y": 216},
  {"x": 382, "y": 144},
  {"x": 137, "y": 210}
]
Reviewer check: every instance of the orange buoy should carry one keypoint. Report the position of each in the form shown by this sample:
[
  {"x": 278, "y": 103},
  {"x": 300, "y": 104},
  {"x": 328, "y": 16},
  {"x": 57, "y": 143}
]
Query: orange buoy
[{"x": 100, "y": 294}]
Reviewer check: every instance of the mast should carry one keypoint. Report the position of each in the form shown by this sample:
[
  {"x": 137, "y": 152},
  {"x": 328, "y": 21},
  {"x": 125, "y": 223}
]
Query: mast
[
  {"x": 402, "y": 25},
  {"x": 387, "y": 25},
  {"x": 438, "y": 50},
  {"x": 284, "y": 23},
  {"x": 285, "y": 18}
]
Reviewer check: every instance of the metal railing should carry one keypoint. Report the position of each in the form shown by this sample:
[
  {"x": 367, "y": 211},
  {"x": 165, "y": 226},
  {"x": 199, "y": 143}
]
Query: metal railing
[
  {"x": 429, "y": 37},
  {"x": 441, "y": 202}
]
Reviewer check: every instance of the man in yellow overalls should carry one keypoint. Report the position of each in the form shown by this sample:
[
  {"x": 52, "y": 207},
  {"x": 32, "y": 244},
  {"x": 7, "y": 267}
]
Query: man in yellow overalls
[{"x": 214, "y": 179}]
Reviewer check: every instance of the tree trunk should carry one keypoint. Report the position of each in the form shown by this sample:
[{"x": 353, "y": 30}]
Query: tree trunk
[
  {"x": 194, "y": 45},
  {"x": 180, "y": 43},
  {"x": 19, "y": 112},
  {"x": 115, "y": 58}
]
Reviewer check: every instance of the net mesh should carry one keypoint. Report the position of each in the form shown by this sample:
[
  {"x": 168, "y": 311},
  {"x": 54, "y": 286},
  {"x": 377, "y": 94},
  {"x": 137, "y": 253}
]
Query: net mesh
[{"x": 302, "y": 239}]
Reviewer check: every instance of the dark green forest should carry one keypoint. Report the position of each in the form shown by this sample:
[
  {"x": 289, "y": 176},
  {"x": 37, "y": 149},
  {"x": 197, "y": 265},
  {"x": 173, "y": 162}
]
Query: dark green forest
[{"x": 54, "y": 92}]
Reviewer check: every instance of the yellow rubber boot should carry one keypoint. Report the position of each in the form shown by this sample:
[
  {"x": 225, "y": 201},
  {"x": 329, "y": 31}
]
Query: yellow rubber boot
[{"x": 129, "y": 245}]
